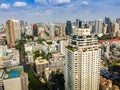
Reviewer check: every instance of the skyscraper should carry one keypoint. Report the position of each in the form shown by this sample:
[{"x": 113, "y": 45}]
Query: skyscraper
[
  {"x": 107, "y": 20},
  {"x": 35, "y": 30},
  {"x": 13, "y": 33},
  {"x": 98, "y": 27},
  {"x": 118, "y": 20},
  {"x": 115, "y": 29},
  {"x": 82, "y": 63},
  {"x": 52, "y": 30},
  {"x": 78, "y": 23},
  {"x": 68, "y": 28}
]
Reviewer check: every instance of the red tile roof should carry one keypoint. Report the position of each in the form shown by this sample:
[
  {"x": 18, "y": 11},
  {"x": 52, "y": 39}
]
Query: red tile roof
[{"x": 111, "y": 40}]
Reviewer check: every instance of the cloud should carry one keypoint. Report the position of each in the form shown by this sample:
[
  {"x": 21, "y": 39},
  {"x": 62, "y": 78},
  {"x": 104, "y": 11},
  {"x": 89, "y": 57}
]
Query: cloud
[
  {"x": 4, "y": 6},
  {"x": 61, "y": 1},
  {"x": 84, "y": 3},
  {"x": 20, "y": 4},
  {"x": 40, "y": 1}
]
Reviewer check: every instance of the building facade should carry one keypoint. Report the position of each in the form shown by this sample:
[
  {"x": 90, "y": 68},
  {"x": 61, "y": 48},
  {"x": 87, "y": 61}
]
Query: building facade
[
  {"x": 13, "y": 33},
  {"x": 68, "y": 28},
  {"x": 98, "y": 27},
  {"x": 35, "y": 30},
  {"x": 82, "y": 64}
]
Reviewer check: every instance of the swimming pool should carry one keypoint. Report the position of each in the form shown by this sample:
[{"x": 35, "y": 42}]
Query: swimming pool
[{"x": 14, "y": 74}]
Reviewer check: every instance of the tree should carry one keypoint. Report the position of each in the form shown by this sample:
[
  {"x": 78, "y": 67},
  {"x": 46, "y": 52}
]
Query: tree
[
  {"x": 36, "y": 54},
  {"x": 105, "y": 37},
  {"x": 20, "y": 45},
  {"x": 47, "y": 33},
  {"x": 40, "y": 40}
]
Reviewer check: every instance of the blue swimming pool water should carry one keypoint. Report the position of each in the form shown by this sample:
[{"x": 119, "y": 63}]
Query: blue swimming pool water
[{"x": 14, "y": 74}]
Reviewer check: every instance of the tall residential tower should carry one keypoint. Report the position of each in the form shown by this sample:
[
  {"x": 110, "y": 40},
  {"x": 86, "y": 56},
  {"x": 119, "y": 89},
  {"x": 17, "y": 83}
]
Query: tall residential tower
[
  {"x": 82, "y": 64},
  {"x": 13, "y": 33}
]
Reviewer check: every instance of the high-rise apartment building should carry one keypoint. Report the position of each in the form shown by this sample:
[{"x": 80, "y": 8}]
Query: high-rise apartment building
[
  {"x": 115, "y": 29},
  {"x": 82, "y": 63},
  {"x": 13, "y": 33},
  {"x": 104, "y": 29},
  {"x": 81, "y": 31},
  {"x": 35, "y": 30},
  {"x": 28, "y": 29},
  {"x": 98, "y": 27},
  {"x": 52, "y": 30},
  {"x": 118, "y": 20},
  {"x": 107, "y": 21}
]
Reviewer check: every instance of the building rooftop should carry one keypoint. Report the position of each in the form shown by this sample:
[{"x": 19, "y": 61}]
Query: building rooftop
[
  {"x": 13, "y": 72},
  {"x": 109, "y": 81},
  {"x": 111, "y": 40},
  {"x": 39, "y": 61},
  {"x": 115, "y": 87}
]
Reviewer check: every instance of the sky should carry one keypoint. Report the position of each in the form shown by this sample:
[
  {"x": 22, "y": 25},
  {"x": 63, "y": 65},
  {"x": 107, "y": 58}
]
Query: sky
[{"x": 47, "y": 11}]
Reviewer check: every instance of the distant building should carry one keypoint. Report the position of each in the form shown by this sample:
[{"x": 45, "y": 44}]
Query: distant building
[
  {"x": 62, "y": 30},
  {"x": 118, "y": 21},
  {"x": 78, "y": 23},
  {"x": 35, "y": 30},
  {"x": 28, "y": 29},
  {"x": 52, "y": 30},
  {"x": 104, "y": 29},
  {"x": 107, "y": 21},
  {"x": 22, "y": 28},
  {"x": 115, "y": 29},
  {"x": 98, "y": 27},
  {"x": 68, "y": 28},
  {"x": 13, "y": 33}
]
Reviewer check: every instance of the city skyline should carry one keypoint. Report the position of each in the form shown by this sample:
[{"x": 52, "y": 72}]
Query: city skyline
[{"x": 58, "y": 10}]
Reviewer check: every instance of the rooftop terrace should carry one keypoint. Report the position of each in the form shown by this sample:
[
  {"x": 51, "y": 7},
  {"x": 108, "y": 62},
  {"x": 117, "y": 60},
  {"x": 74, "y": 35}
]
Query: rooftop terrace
[{"x": 13, "y": 72}]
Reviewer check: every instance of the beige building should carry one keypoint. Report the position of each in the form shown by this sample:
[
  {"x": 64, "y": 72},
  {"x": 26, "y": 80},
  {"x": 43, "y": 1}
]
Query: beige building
[
  {"x": 57, "y": 62},
  {"x": 81, "y": 31},
  {"x": 14, "y": 79},
  {"x": 104, "y": 30},
  {"x": 13, "y": 34},
  {"x": 82, "y": 63},
  {"x": 42, "y": 67},
  {"x": 115, "y": 29}
]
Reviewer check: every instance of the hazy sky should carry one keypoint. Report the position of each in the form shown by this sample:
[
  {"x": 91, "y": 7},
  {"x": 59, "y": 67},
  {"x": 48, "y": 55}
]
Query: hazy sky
[{"x": 58, "y": 10}]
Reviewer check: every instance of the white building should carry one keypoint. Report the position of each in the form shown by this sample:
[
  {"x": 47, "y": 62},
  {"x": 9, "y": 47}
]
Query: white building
[
  {"x": 28, "y": 29},
  {"x": 81, "y": 31},
  {"x": 82, "y": 63},
  {"x": 62, "y": 46},
  {"x": 9, "y": 57},
  {"x": 52, "y": 30}
]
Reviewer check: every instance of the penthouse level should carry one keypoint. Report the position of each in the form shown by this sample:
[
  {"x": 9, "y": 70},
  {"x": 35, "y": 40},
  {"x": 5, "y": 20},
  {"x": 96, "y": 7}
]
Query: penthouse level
[{"x": 84, "y": 40}]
